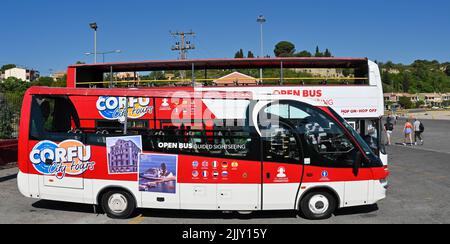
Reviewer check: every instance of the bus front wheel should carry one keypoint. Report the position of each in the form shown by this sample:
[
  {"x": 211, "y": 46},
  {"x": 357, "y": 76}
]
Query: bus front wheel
[
  {"x": 118, "y": 204},
  {"x": 318, "y": 205}
]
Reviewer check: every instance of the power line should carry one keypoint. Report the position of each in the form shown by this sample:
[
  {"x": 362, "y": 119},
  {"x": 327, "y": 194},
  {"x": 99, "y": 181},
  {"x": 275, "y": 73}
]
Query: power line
[{"x": 183, "y": 45}]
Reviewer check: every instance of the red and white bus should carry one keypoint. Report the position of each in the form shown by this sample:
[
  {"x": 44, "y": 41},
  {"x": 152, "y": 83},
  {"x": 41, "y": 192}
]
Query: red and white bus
[
  {"x": 351, "y": 86},
  {"x": 183, "y": 149}
]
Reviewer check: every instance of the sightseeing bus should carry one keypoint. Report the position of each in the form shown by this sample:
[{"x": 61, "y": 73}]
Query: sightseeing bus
[
  {"x": 159, "y": 148},
  {"x": 351, "y": 86}
]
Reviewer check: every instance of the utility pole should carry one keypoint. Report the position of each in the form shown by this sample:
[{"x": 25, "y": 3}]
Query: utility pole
[
  {"x": 94, "y": 26},
  {"x": 183, "y": 45},
  {"x": 261, "y": 20}
]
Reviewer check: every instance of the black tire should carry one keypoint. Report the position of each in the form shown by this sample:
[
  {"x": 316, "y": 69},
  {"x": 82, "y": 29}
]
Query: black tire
[
  {"x": 126, "y": 201},
  {"x": 320, "y": 213}
]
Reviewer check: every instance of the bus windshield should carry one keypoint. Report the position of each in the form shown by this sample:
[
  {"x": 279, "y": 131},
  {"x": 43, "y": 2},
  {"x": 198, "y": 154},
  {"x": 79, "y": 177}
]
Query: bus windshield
[{"x": 367, "y": 149}]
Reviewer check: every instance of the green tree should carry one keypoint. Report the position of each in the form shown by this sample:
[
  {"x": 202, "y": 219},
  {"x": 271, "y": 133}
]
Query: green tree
[
  {"x": 348, "y": 72},
  {"x": 303, "y": 53},
  {"x": 5, "y": 123},
  {"x": 43, "y": 81},
  {"x": 406, "y": 82},
  {"x": 239, "y": 54},
  {"x": 327, "y": 53},
  {"x": 419, "y": 104},
  {"x": 7, "y": 66},
  {"x": 157, "y": 75},
  {"x": 405, "y": 102},
  {"x": 6, "y": 118},
  {"x": 61, "y": 82},
  {"x": 284, "y": 49},
  {"x": 250, "y": 54},
  {"x": 420, "y": 76},
  {"x": 14, "y": 85},
  {"x": 318, "y": 53}
]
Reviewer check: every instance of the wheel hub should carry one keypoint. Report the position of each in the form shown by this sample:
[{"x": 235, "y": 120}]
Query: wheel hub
[
  {"x": 319, "y": 204},
  {"x": 117, "y": 203}
]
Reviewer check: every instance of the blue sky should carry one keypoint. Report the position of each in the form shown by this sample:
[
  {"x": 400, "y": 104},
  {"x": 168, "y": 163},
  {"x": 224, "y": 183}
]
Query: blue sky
[{"x": 50, "y": 34}]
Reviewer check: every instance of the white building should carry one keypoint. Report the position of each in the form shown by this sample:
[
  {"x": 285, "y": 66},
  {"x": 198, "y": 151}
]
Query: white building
[
  {"x": 432, "y": 99},
  {"x": 446, "y": 97},
  {"x": 22, "y": 74}
]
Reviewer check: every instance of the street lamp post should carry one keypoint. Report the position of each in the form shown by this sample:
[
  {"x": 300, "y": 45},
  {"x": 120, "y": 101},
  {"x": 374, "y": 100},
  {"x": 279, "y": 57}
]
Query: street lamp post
[
  {"x": 261, "y": 20},
  {"x": 94, "y": 26},
  {"x": 103, "y": 53}
]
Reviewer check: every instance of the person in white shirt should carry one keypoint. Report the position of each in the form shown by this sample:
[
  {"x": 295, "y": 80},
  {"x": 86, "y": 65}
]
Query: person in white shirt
[{"x": 418, "y": 131}]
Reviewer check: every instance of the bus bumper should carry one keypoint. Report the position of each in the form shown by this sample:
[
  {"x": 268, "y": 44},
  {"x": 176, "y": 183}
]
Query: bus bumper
[
  {"x": 22, "y": 184},
  {"x": 28, "y": 185},
  {"x": 380, "y": 190}
]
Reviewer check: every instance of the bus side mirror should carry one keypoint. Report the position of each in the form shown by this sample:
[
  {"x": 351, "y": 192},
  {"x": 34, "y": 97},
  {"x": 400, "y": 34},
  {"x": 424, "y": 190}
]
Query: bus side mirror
[{"x": 357, "y": 163}]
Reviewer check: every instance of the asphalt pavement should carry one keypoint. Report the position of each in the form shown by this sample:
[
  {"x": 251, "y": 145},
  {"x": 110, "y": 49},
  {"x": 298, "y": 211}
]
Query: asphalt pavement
[{"x": 419, "y": 193}]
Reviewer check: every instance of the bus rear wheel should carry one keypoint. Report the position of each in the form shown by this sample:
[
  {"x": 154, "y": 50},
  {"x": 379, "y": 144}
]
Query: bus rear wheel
[
  {"x": 118, "y": 204},
  {"x": 318, "y": 205}
]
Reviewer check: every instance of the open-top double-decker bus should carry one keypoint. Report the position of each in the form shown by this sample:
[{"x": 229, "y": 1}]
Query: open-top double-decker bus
[
  {"x": 351, "y": 86},
  {"x": 176, "y": 148}
]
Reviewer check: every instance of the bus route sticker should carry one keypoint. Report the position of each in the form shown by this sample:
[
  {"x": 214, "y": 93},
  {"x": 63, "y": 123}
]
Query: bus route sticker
[
  {"x": 158, "y": 173},
  {"x": 70, "y": 157}
]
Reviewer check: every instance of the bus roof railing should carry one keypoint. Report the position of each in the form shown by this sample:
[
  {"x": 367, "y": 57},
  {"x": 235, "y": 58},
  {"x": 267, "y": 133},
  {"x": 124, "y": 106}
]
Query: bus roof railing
[{"x": 233, "y": 82}]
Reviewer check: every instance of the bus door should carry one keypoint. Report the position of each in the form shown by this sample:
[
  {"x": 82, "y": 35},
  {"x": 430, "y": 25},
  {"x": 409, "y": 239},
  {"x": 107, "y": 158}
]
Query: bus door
[
  {"x": 52, "y": 142},
  {"x": 282, "y": 158},
  {"x": 336, "y": 161},
  {"x": 325, "y": 157}
]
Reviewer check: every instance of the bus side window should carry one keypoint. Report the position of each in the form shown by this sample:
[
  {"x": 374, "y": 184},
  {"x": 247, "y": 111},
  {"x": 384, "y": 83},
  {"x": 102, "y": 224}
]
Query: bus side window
[
  {"x": 52, "y": 118},
  {"x": 112, "y": 128},
  {"x": 323, "y": 141},
  {"x": 220, "y": 141},
  {"x": 280, "y": 145}
]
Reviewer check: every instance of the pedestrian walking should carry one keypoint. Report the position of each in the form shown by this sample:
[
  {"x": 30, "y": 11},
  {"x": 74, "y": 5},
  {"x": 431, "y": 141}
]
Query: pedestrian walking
[
  {"x": 418, "y": 130},
  {"x": 408, "y": 130},
  {"x": 388, "y": 129}
]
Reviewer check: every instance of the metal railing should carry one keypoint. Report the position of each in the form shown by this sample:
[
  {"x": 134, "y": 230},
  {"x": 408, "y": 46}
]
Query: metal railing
[{"x": 211, "y": 82}]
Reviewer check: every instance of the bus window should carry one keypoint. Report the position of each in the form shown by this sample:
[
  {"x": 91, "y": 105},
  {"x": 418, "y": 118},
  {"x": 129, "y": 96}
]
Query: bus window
[
  {"x": 371, "y": 131},
  {"x": 323, "y": 141},
  {"x": 373, "y": 135},
  {"x": 54, "y": 118},
  {"x": 235, "y": 142},
  {"x": 370, "y": 135},
  {"x": 106, "y": 128},
  {"x": 281, "y": 144}
]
